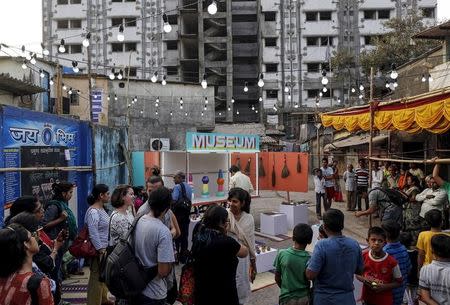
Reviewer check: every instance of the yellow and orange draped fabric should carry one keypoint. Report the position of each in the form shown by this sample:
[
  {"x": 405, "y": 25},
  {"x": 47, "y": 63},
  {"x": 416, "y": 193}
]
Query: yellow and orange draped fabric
[{"x": 431, "y": 114}]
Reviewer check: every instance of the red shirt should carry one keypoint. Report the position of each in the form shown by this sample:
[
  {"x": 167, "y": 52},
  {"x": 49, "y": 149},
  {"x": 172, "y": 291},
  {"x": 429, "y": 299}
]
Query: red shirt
[
  {"x": 381, "y": 271},
  {"x": 13, "y": 290}
]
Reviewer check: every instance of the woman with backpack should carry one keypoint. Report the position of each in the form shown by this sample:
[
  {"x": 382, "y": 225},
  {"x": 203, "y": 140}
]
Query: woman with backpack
[
  {"x": 97, "y": 221},
  {"x": 18, "y": 247}
]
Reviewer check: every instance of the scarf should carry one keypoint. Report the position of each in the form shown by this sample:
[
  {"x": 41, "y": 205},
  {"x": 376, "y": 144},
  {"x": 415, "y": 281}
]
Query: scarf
[{"x": 242, "y": 238}]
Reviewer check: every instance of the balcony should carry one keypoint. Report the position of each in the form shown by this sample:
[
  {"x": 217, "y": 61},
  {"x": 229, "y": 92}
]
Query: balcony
[
  {"x": 244, "y": 28},
  {"x": 244, "y": 7},
  {"x": 245, "y": 50}
]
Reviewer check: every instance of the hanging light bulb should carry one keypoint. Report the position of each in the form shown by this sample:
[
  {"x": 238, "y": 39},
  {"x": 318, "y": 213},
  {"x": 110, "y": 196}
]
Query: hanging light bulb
[
  {"x": 142, "y": 111},
  {"x": 44, "y": 50},
  {"x": 229, "y": 108},
  {"x": 256, "y": 111},
  {"x": 157, "y": 102},
  {"x": 86, "y": 40},
  {"x": 353, "y": 90},
  {"x": 61, "y": 47},
  {"x": 205, "y": 108},
  {"x": 75, "y": 67},
  {"x": 120, "y": 75},
  {"x": 430, "y": 78},
  {"x": 320, "y": 94},
  {"x": 361, "y": 96},
  {"x": 387, "y": 84},
  {"x": 41, "y": 74},
  {"x": 171, "y": 113},
  {"x": 202, "y": 113},
  {"x": 70, "y": 91},
  {"x": 261, "y": 80},
  {"x": 164, "y": 82},
  {"x": 156, "y": 112},
  {"x": 186, "y": 114},
  {"x": 394, "y": 73},
  {"x": 112, "y": 75},
  {"x": 391, "y": 86},
  {"x": 246, "y": 87},
  {"x": 33, "y": 59},
  {"x": 120, "y": 35},
  {"x": 232, "y": 100},
  {"x": 395, "y": 84},
  {"x": 28, "y": 56},
  {"x": 275, "y": 107},
  {"x": 260, "y": 99},
  {"x": 253, "y": 108},
  {"x": 166, "y": 25},
  {"x": 237, "y": 112},
  {"x": 286, "y": 89},
  {"x": 181, "y": 101},
  {"x": 361, "y": 87},
  {"x": 154, "y": 78},
  {"x": 220, "y": 113},
  {"x": 24, "y": 64},
  {"x": 206, "y": 100},
  {"x": 204, "y": 83},
  {"x": 108, "y": 98},
  {"x": 424, "y": 79},
  {"x": 212, "y": 8},
  {"x": 64, "y": 87},
  {"x": 296, "y": 105},
  {"x": 289, "y": 97},
  {"x": 324, "y": 89},
  {"x": 135, "y": 99},
  {"x": 317, "y": 103},
  {"x": 324, "y": 78},
  {"x": 51, "y": 81},
  {"x": 339, "y": 100},
  {"x": 115, "y": 97}
]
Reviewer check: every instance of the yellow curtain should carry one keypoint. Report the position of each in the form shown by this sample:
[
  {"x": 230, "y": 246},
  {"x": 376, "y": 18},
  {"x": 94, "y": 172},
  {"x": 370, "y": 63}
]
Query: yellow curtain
[{"x": 433, "y": 117}]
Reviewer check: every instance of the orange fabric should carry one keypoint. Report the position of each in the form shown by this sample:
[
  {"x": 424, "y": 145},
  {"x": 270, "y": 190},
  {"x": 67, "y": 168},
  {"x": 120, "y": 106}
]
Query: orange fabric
[{"x": 151, "y": 158}]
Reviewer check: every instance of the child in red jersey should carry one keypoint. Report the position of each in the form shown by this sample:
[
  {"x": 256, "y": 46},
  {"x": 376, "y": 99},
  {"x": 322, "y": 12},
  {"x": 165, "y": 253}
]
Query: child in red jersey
[{"x": 381, "y": 271}]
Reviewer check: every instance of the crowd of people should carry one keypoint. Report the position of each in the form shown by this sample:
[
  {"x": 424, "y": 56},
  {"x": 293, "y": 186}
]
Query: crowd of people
[{"x": 397, "y": 267}]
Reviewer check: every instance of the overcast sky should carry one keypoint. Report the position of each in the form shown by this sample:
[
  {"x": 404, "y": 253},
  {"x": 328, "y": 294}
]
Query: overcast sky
[{"x": 21, "y": 21}]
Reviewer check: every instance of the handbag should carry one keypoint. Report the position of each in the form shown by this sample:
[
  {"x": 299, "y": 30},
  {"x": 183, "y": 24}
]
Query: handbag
[
  {"x": 187, "y": 283},
  {"x": 103, "y": 258},
  {"x": 82, "y": 246}
]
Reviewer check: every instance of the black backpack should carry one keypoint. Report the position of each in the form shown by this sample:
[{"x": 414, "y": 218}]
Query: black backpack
[
  {"x": 182, "y": 207},
  {"x": 396, "y": 197},
  {"x": 125, "y": 275},
  {"x": 32, "y": 285}
]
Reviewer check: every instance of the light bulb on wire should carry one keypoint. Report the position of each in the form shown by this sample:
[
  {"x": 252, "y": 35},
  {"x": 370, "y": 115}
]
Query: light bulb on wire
[
  {"x": 395, "y": 84},
  {"x": 394, "y": 73},
  {"x": 64, "y": 87},
  {"x": 430, "y": 78},
  {"x": 387, "y": 84},
  {"x": 157, "y": 102},
  {"x": 115, "y": 97},
  {"x": 232, "y": 100},
  {"x": 86, "y": 40},
  {"x": 120, "y": 35},
  {"x": 296, "y": 105},
  {"x": 24, "y": 64},
  {"x": 33, "y": 59},
  {"x": 261, "y": 80},
  {"x": 120, "y": 75},
  {"x": 44, "y": 50},
  {"x": 246, "y": 87},
  {"x": 154, "y": 78},
  {"x": 164, "y": 82},
  {"x": 229, "y": 108},
  {"x": 28, "y": 56},
  {"x": 324, "y": 80},
  {"x": 75, "y": 67},
  {"x": 70, "y": 91},
  {"x": 361, "y": 87},
  {"x": 324, "y": 89},
  {"x": 62, "y": 47},
  {"x": 206, "y": 100},
  {"x": 260, "y": 99},
  {"x": 212, "y": 8},
  {"x": 286, "y": 89},
  {"x": 112, "y": 75},
  {"x": 41, "y": 74},
  {"x": 166, "y": 25},
  {"x": 353, "y": 90},
  {"x": 51, "y": 81},
  {"x": 204, "y": 83},
  {"x": 423, "y": 78}
]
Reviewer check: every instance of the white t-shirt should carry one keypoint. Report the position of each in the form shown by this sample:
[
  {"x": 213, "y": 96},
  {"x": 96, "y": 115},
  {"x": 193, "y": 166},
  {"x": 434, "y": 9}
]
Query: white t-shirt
[
  {"x": 328, "y": 172},
  {"x": 435, "y": 277},
  {"x": 319, "y": 185}
]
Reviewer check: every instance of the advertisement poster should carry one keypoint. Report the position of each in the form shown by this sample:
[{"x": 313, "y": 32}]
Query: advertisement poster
[{"x": 33, "y": 140}]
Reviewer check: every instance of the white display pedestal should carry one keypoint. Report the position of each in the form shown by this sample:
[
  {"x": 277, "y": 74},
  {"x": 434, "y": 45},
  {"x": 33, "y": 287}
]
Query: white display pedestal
[
  {"x": 273, "y": 223},
  {"x": 191, "y": 229},
  {"x": 295, "y": 214},
  {"x": 264, "y": 260}
]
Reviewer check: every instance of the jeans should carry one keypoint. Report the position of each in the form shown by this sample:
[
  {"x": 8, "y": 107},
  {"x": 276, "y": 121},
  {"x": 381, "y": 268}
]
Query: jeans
[
  {"x": 144, "y": 300},
  {"x": 318, "y": 203},
  {"x": 181, "y": 243},
  {"x": 361, "y": 193}
]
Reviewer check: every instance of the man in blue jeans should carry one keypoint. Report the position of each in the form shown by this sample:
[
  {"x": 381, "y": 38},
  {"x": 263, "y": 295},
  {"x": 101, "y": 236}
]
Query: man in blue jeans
[
  {"x": 182, "y": 216},
  {"x": 334, "y": 263}
]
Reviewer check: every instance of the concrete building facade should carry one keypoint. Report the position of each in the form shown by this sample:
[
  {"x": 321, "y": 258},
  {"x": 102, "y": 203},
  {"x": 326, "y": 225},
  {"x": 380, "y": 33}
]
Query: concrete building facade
[{"x": 289, "y": 41}]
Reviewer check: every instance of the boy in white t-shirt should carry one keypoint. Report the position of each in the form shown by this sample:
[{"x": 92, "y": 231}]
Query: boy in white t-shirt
[{"x": 319, "y": 188}]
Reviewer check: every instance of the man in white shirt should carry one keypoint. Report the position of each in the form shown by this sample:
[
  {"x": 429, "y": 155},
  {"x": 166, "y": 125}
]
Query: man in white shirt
[
  {"x": 238, "y": 179},
  {"x": 377, "y": 175},
  {"x": 433, "y": 197},
  {"x": 328, "y": 174}
]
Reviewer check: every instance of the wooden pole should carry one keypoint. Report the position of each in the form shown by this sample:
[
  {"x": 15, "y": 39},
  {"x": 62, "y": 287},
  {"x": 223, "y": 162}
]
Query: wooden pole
[
  {"x": 371, "y": 135},
  {"x": 58, "y": 102}
]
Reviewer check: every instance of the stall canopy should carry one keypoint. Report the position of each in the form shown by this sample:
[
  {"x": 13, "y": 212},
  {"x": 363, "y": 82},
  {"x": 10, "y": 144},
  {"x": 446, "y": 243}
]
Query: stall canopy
[
  {"x": 353, "y": 141},
  {"x": 430, "y": 112}
]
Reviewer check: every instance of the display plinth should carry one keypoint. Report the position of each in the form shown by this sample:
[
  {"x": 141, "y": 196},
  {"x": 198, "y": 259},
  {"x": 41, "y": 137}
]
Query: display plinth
[
  {"x": 295, "y": 214},
  {"x": 264, "y": 260},
  {"x": 273, "y": 223},
  {"x": 191, "y": 230}
]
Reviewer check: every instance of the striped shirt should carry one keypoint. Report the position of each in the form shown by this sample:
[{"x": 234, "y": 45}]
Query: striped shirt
[
  {"x": 362, "y": 177},
  {"x": 400, "y": 253},
  {"x": 97, "y": 221}
]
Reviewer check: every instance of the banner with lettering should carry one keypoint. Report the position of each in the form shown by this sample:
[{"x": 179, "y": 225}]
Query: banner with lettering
[
  {"x": 220, "y": 142},
  {"x": 35, "y": 139}
]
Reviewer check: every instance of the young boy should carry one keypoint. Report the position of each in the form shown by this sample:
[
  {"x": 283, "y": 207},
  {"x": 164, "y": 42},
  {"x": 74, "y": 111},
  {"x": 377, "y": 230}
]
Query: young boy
[
  {"x": 434, "y": 220},
  {"x": 381, "y": 272},
  {"x": 410, "y": 297},
  {"x": 434, "y": 281},
  {"x": 319, "y": 187},
  {"x": 350, "y": 186},
  {"x": 290, "y": 266},
  {"x": 394, "y": 248}
]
